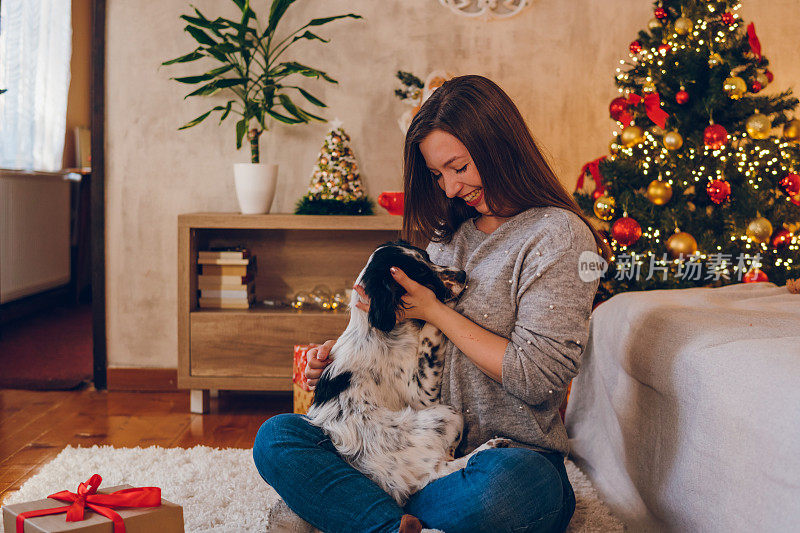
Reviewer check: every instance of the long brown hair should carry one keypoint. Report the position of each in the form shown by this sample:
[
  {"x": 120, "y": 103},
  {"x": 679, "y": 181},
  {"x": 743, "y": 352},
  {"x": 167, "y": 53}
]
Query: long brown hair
[{"x": 515, "y": 175}]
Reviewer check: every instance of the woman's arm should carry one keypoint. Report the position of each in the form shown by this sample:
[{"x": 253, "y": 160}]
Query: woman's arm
[{"x": 483, "y": 347}]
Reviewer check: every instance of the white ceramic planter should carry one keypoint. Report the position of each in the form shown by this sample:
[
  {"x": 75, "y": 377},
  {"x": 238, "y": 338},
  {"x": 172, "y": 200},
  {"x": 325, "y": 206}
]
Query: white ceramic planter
[{"x": 255, "y": 186}]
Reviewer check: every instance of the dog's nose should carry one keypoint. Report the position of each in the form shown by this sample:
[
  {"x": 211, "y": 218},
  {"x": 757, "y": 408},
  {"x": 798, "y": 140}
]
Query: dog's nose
[{"x": 461, "y": 277}]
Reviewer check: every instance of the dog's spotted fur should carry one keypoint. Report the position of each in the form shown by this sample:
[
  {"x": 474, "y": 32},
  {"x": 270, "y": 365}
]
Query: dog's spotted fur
[{"x": 379, "y": 398}]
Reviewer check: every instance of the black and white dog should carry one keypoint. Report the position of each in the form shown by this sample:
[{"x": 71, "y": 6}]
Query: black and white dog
[{"x": 378, "y": 400}]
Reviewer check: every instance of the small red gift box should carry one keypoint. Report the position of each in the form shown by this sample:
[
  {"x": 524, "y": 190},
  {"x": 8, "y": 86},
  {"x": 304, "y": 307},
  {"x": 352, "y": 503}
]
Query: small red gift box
[
  {"x": 303, "y": 397},
  {"x": 121, "y": 509}
]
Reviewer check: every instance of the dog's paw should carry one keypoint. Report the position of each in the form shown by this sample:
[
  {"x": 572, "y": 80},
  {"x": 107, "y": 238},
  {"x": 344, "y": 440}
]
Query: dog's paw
[{"x": 498, "y": 442}]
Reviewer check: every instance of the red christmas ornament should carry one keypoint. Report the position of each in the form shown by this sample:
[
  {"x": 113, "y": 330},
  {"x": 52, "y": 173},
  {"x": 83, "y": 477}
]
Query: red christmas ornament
[
  {"x": 770, "y": 76},
  {"x": 617, "y": 107},
  {"x": 718, "y": 190},
  {"x": 635, "y": 47},
  {"x": 755, "y": 275},
  {"x": 728, "y": 18},
  {"x": 755, "y": 87},
  {"x": 664, "y": 48},
  {"x": 660, "y": 13},
  {"x": 626, "y": 231},
  {"x": 791, "y": 184},
  {"x": 715, "y": 136},
  {"x": 781, "y": 239},
  {"x": 682, "y": 97}
]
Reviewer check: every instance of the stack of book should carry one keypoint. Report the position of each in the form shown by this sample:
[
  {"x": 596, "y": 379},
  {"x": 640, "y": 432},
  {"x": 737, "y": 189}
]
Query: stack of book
[{"x": 227, "y": 277}]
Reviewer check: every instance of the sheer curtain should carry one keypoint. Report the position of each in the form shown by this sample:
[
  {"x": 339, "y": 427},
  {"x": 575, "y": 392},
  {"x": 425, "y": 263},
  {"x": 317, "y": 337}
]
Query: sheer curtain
[{"x": 35, "y": 49}]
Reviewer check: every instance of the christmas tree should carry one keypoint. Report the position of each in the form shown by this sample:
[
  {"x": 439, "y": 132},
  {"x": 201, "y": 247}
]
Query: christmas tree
[
  {"x": 335, "y": 183},
  {"x": 701, "y": 186}
]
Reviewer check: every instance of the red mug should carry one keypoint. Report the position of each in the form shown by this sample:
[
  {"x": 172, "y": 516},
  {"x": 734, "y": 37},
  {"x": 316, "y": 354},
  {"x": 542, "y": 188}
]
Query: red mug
[{"x": 392, "y": 202}]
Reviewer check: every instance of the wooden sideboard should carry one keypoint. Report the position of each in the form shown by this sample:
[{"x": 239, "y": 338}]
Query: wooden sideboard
[{"x": 251, "y": 349}]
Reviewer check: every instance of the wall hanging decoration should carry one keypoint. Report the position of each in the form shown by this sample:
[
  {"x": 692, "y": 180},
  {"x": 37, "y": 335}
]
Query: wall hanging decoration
[{"x": 488, "y": 9}]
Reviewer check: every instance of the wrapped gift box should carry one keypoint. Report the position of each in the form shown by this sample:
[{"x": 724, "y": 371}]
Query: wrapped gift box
[
  {"x": 167, "y": 518},
  {"x": 302, "y": 396}
]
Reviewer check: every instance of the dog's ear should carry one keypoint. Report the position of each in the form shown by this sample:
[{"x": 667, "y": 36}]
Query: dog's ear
[{"x": 384, "y": 298}]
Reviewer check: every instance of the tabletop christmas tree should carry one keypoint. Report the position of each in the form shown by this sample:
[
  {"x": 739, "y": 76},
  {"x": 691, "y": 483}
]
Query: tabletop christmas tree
[
  {"x": 335, "y": 183},
  {"x": 702, "y": 183}
]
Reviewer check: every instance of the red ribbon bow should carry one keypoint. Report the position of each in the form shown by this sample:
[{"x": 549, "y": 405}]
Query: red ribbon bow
[
  {"x": 101, "y": 503},
  {"x": 593, "y": 167},
  {"x": 652, "y": 106},
  {"x": 755, "y": 44}
]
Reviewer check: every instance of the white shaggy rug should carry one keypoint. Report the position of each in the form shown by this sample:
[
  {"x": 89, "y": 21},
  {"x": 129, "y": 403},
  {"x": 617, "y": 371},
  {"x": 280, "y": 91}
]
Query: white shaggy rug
[{"x": 220, "y": 489}]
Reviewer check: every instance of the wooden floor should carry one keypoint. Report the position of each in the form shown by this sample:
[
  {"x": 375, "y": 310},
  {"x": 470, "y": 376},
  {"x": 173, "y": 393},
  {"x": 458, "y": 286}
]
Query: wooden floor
[{"x": 35, "y": 426}]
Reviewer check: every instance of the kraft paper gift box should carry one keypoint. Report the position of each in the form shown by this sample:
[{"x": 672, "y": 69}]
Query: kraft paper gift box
[
  {"x": 302, "y": 396},
  {"x": 166, "y": 518}
]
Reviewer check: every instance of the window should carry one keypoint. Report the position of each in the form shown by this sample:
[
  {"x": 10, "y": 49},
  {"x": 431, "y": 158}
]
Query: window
[{"x": 35, "y": 48}]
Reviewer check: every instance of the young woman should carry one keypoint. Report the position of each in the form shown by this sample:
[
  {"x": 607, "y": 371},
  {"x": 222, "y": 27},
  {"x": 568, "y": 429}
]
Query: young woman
[{"x": 479, "y": 190}]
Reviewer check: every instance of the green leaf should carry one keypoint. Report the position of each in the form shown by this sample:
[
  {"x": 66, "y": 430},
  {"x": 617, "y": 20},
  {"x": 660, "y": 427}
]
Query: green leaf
[
  {"x": 296, "y": 111},
  {"x": 196, "y": 121},
  {"x": 194, "y": 79},
  {"x": 216, "y": 85},
  {"x": 292, "y": 67},
  {"x": 320, "y": 22},
  {"x": 276, "y": 12},
  {"x": 226, "y": 112},
  {"x": 191, "y": 56},
  {"x": 200, "y": 36},
  {"x": 311, "y": 98},
  {"x": 282, "y": 118},
  {"x": 310, "y": 36},
  {"x": 230, "y": 82},
  {"x": 203, "y": 22},
  {"x": 210, "y": 75},
  {"x": 241, "y": 129}
]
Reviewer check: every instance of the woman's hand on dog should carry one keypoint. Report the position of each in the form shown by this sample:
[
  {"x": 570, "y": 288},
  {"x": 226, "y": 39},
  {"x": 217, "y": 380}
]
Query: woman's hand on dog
[
  {"x": 317, "y": 361},
  {"x": 419, "y": 300}
]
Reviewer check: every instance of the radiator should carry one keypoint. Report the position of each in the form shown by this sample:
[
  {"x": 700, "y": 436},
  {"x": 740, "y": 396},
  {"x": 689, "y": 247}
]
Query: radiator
[{"x": 34, "y": 234}]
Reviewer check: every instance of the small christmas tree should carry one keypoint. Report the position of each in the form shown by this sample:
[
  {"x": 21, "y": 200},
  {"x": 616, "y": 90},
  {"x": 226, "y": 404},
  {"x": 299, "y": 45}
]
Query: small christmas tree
[
  {"x": 335, "y": 183},
  {"x": 701, "y": 187}
]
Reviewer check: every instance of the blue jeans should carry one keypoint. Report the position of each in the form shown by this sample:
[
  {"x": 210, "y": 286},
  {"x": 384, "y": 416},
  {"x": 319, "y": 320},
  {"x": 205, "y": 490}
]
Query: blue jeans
[{"x": 501, "y": 489}]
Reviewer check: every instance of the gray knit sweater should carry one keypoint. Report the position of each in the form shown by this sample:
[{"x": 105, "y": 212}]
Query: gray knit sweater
[{"x": 522, "y": 284}]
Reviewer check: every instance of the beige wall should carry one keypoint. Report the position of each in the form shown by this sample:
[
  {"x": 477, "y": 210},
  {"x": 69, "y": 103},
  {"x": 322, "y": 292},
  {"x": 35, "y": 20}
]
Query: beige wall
[{"x": 556, "y": 60}]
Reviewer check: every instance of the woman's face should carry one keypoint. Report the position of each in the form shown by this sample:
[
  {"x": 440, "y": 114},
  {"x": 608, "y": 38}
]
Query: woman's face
[{"x": 453, "y": 169}]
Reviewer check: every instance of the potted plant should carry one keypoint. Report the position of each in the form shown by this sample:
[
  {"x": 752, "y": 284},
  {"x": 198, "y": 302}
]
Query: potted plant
[{"x": 249, "y": 71}]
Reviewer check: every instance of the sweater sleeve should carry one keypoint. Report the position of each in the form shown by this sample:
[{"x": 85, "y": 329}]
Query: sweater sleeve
[{"x": 552, "y": 321}]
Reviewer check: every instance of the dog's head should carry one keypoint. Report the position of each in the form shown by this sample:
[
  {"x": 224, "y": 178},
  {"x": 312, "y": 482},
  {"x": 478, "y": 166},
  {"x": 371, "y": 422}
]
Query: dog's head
[{"x": 386, "y": 294}]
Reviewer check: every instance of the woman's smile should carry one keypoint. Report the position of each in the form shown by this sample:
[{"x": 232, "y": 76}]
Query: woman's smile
[{"x": 474, "y": 198}]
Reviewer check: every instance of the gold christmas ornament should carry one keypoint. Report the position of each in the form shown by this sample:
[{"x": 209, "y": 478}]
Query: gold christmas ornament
[
  {"x": 613, "y": 146},
  {"x": 734, "y": 87},
  {"x": 683, "y": 26},
  {"x": 762, "y": 78},
  {"x": 632, "y": 136},
  {"x": 791, "y": 130},
  {"x": 656, "y": 130},
  {"x": 681, "y": 243},
  {"x": 654, "y": 24},
  {"x": 759, "y": 126},
  {"x": 673, "y": 140},
  {"x": 659, "y": 192},
  {"x": 604, "y": 207},
  {"x": 714, "y": 60},
  {"x": 759, "y": 230}
]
